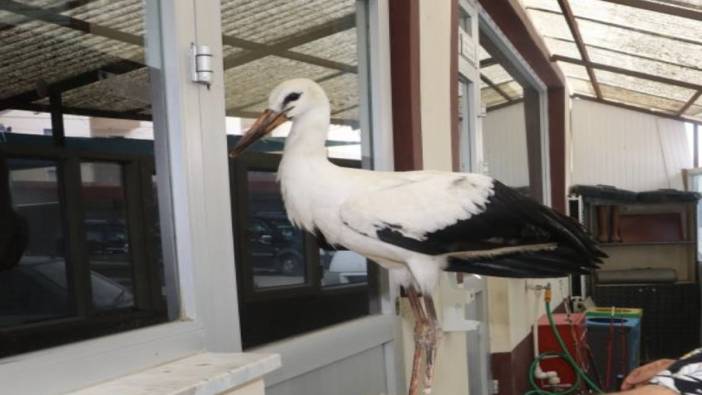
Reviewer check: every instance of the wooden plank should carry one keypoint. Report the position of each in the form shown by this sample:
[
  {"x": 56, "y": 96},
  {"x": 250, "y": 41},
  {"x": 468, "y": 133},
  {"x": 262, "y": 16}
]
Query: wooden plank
[
  {"x": 631, "y": 73},
  {"x": 660, "y": 7},
  {"x": 575, "y": 31},
  {"x": 404, "y": 65},
  {"x": 689, "y": 103}
]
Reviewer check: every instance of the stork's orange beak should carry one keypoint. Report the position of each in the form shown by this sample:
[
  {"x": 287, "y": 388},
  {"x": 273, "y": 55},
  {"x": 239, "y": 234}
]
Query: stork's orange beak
[{"x": 264, "y": 124}]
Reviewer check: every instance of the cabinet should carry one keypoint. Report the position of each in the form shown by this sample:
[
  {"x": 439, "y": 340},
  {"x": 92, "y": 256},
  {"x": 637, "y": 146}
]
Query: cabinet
[{"x": 642, "y": 231}]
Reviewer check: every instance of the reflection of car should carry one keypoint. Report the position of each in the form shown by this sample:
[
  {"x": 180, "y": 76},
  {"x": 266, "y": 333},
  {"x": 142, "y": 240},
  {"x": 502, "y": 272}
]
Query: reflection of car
[
  {"x": 275, "y": 245},
  {"x": 36, "y": 291},
  {"x": 106, "y": 238},
  {"x": 346, "y": 267}
]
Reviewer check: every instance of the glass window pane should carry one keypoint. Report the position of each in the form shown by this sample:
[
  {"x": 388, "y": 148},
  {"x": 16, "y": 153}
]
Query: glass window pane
[
  {"x": 342, "y": 268},
  {"x": 79, "y": 67},
  {"x": 306, "y": 39},
  {"x": 33, "y": 275},
  {"x": 276, "y": 248},
  {"x": 107, "y": 235}
]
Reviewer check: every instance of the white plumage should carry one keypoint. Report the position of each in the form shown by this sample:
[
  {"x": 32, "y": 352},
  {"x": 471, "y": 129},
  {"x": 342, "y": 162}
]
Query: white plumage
[{"x": 419, "y": 221}]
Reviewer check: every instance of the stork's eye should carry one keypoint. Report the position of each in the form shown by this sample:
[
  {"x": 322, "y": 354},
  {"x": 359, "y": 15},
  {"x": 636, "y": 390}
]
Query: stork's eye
[{"x": 291, "y": 97}]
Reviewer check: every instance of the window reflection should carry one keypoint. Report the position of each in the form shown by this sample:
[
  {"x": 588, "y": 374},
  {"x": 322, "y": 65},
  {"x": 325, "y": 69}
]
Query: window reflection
[
  {"x": 276, "y": 248},
  {"x": 107, "y": 235},
  {"x": 33, "y": 282},
  {"x": 343, "y": 268}
]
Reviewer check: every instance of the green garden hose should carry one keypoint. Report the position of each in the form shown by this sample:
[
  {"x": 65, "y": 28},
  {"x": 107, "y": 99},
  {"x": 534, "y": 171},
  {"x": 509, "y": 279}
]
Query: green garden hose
[{"x": 579, "y": 373}]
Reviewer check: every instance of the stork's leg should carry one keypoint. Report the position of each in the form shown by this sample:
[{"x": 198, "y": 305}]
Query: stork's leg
[
  {"x": 433, "y": 335},
  {"x": 420, "y": 326}
]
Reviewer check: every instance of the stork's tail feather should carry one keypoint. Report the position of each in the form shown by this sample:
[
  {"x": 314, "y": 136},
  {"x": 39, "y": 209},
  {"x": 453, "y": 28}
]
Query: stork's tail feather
[{"x": 559, "y": 262}]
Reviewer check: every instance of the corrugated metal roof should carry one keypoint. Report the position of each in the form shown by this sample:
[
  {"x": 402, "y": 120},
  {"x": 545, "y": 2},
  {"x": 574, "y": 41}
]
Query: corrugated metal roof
[
  {"x": 653, "y": 39},
  {"x": 95, "y": 48}
]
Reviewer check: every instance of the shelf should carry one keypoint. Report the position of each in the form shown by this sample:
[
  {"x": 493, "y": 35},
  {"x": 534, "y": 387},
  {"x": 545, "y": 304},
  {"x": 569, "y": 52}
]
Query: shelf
[{"x": 647, "y": 243}]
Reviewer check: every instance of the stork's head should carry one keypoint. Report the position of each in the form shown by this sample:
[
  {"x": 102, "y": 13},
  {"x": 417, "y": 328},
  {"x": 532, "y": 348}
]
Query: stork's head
[{"x": 290, "y": 100}]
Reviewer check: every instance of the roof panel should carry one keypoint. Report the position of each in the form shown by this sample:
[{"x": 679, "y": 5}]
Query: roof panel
[
  {"x": 36, "y": 53},
  {"x": 496, "y": 73},
  {"x": 573, "y": 70},
  {"x": 265, "y": 21},
  {"x": 124, "y": 15},
  {"x": 649, "y": 66},
  {"x": 644, "y": 100},
  {"x": 340, "y": 47},
  {"x": 644, "y": 86},
  {"x": 633, "y": 42},
  {"x": 489, "y": 97},
  {"x": 124, "y": 92},
  {"x": 580, "y": 86},
  {"x": 247, "y": 86},
  {"x": 636, "y": 18},
  {"x": 562, "y": 47},
  {"x": 549, "y": 24}
]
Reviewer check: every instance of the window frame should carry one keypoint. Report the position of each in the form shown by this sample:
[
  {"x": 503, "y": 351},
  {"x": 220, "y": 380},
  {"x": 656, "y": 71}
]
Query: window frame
[
  {"x": 187, "y": 204},
  {"x": 69, "y": 184}
]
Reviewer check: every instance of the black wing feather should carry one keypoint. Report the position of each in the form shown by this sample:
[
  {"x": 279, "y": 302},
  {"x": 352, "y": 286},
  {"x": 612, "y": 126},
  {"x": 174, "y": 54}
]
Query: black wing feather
[{"x": 509, "y": 219}]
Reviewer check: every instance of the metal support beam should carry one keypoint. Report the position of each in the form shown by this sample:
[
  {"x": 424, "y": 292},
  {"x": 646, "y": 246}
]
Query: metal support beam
[
  {"x": 631, "y": 73},
  {"x": 56, "y": 107},
  {"x": 689, "y": 103},
  {"x": 573, "y": 26},
  {"x": 660, "y": 7}
]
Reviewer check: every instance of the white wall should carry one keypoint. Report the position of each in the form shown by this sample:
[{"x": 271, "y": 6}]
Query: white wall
[
  {"x": 626, "y": 149},
  {"x": 451, "y": 375},
  {"x": 504, "y": 145}
]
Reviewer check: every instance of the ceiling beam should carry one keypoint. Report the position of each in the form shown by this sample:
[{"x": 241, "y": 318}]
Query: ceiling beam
[
  {"x": 87, "y": 112},
  {"x": 575, "y": 31},
  {"x": 689, "y": 103},
  {"x": 660, "y": 7},
  {"x": 631, "y": 73},
  {"x": 497, "y": 89},
  {"x": 637, "y": 109}
]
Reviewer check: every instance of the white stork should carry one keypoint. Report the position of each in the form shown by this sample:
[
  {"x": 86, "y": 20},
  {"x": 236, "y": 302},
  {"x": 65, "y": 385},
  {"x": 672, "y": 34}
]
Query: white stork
[{"x": 421, "y": 221}]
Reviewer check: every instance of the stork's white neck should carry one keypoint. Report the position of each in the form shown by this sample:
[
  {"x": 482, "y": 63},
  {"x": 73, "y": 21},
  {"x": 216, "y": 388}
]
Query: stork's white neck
[{"x": 308, "y": 134}]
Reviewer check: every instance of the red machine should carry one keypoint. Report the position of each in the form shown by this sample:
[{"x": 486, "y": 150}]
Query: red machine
[{"x": 573, "y": 332}]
